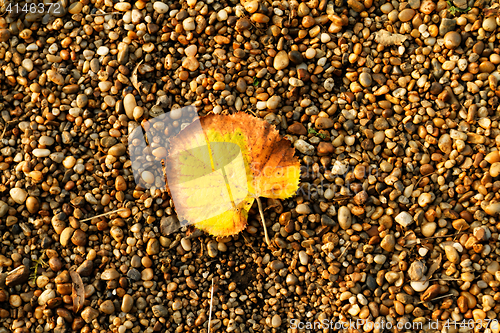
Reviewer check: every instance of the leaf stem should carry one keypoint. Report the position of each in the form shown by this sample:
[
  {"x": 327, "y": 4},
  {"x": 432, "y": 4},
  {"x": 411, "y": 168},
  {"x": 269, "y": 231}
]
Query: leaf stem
[{"x": 261, "y": 211}]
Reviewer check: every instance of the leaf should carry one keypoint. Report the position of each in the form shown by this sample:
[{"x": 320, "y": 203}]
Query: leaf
[
  {"x": 133, "y": 78},
  {"x": 78, "y": 291},
  {"x": 215, "y": 174},
  {"x": 386, "y": 38},
  {"x": 434, "y": 267}
]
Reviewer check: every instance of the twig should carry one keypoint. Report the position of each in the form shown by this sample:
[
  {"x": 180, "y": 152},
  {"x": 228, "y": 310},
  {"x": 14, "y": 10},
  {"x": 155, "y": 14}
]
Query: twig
[
  {"x": 7, "y": 123},
  {"x": 436, "y": 298},
  {"x": 103, "y": 14},
  {"x": 430, "y": 174},
  {"x": 458, "y": 233},
  {"x": 268, "y": 242},
  {"x": 104, "y": 214},
  {"x": 248, "y": 242},
  {"x": 211, "y": 304},
  {"x": 345, "y": 250}
]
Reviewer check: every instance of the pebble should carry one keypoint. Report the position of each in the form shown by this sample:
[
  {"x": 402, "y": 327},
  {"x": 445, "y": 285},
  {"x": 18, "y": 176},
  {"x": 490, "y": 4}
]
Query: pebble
[
  {"x": 344, "y": 217},
  {"x": 276, "y": 321},
  {"x": 159, "y": 311},
  {"x": 18, "y": 195},
  {"x": 160, "y": 7},
  {"x": 212, "y": 249},
  {"x": 404, "y": 219},
  {"x": 304, "y": 147},
  {"x": 281, "y": 60},
  {"x": 452, "y": 40}
]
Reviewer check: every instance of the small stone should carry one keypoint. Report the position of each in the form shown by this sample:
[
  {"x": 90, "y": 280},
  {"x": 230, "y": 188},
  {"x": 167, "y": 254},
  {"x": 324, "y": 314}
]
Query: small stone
[
  {"x": 160, "y": 7},
  {"x": 191, "y": 64},
  {"x": 419, "y": 286},
  {"x": 296, "y": 57},
  {"x": 41, "y": 152},
  {"x": 452, "y": 254},
  {"x": 365, "y": 79},
  {"x": 281, "y": 60},
  {"x": 18, "y": 195},
  {"x": 186, "y": 244},
  {"x": 325, "y": 148},
  {"x": 489, "y": 24},
  {"x": 4, "y": 35},
  {"x": 276, "y": 321},
  {"x": 304, "y": 147},
  {"x": 404, "y": 219},
  {"x": 17, "y": 276},
  {"x": 147, "y": 274},
  {"x": 344, "y": 217},
  {"x": 303, "y": 209},
  {"x": 46, "y": 296},
  {"x": 120, "y": 183},
  {"x": 129, "y": 104},
  {"x": 86, "y": 268},
  {"x": 445, "y": 143},
  {"x": 79, "y": 238},
  {"x": 117, "y": 150},
  {"x": 428, "y": 229},
  {"x": 4, "y": 261},
  {"x": 153, "y": 247},
  {"x": 110, "y": 274},
  {"x": 406, "y": 14},
  {"x": 273, "y": 102},
  {"x": 388, "y": 243},
  {"x": 107, "y": 307},
  {"x": 323, "y": 123},
  {"x": 495, "y": 169},
  {"x": 127, "y": 303},
  {"x": 66, "y": 236},
  {"x": 356, "y": 5},
  {"x": 160, "y": 311},
  {"x": 4, "y": 208},
  {"x": 89, "y": 314},
  {"x": 297, "y": 128},
  {"x": 212, "y": 249},
  {"x": 493, "y": 209},
  {"x": 446, "y": 26}
]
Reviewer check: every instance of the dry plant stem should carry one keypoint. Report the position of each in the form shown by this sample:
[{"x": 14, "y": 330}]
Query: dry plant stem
[
  {"x": 261, "y": 211},
  {"x": 111, "y": 212},
  {"x": 211, "y": 303},
  {"x": 437, "y": 298}
]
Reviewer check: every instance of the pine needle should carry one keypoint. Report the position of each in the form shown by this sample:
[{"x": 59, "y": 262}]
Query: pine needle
[
  {"x": 211, "y": 305},
  {"x": 268, "y": 241},
  {"x": 104, "y": 214}
]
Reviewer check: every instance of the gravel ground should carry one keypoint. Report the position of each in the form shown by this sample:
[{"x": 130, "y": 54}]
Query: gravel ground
[{"x": 392, "y": 107}]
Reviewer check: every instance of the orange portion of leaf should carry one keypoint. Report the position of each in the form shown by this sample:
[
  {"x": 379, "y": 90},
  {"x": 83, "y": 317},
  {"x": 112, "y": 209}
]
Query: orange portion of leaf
[{"x": 215, "y": 173}]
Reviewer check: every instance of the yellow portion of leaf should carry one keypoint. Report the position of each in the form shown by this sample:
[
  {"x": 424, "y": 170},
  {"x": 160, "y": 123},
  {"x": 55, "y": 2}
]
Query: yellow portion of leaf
[
  {"x": 214, "y": 174},
  {"x": 229, "y": 222}
]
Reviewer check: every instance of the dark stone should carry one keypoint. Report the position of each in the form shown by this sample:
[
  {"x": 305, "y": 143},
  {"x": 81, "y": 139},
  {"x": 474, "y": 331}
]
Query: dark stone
[
  {"x": 17, "y": 276},
  {"x": 371, "y": 283},
  {"x": 169, "y": 224},
  {"x": 86, "y": 268},
  {"x": 295, "y": 57},
  {"x": 134, "y": 274}
]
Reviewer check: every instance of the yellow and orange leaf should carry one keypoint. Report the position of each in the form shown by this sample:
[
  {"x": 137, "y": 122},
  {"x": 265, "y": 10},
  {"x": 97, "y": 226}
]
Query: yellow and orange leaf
[{"x": 215, "y": 174}]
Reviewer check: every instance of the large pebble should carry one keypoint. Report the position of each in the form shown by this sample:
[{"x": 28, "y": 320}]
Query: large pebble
[
  {"x": 129, "y": 104},
  {"x": 304, "y": 147},
  {"x": 344, "y": 217},
  {"x": 212, "y": 249},
  {"x": 281, "y": 60},
  {"x": 18, "y": 195},
  {"x": 160, "y": 7},
  {"x": 404, "y": 219}
]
